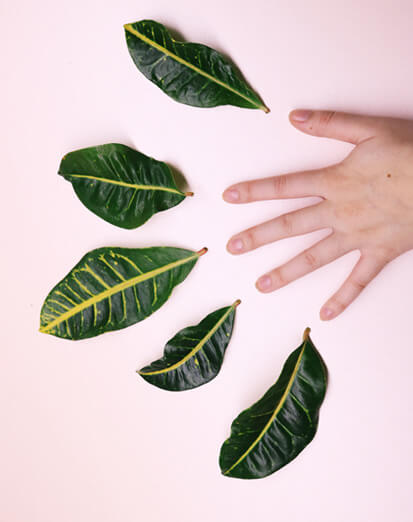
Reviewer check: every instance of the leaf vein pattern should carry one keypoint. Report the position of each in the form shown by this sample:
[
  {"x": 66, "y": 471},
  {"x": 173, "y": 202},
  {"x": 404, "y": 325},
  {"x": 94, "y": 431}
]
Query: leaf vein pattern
[
  {"x": 300, "y": 405},
  {"x": 104, "y": 260},
  {"x": 174, "y": 55}
]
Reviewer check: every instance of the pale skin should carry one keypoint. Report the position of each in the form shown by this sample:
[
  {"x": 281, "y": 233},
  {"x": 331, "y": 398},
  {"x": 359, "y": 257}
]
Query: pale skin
[{"x": 367, "y": 203}]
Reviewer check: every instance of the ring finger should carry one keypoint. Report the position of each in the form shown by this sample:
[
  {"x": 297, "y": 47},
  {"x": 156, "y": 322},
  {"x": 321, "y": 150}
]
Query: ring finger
[{"x": 320, "y": 254}]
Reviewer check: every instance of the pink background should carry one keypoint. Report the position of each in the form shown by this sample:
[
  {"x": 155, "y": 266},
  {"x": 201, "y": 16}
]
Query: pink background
[{"x": 82, "y": 437}]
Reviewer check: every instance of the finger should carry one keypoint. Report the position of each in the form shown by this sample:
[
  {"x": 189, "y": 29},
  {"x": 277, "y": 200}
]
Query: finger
[
  {"x": 286, "y": 186},
  {"x": 365, "y": 270},
  {"x": 338, "y": 125},
  {"x": 295, "y": 223},
  {"x": 318, "y": 255}
]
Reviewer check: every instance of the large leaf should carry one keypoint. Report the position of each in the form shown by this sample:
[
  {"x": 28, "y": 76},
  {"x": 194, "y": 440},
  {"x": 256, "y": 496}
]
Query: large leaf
[
  {"x": 195, "y": 354},
  {"x": 112, "y": 288},
  {"x": 120, "y": 184},
  {"x": 274, "y": 430},
  {"x": 189, "y": 73}
]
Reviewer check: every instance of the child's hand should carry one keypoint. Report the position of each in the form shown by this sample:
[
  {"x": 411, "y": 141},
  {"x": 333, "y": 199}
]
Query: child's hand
[{"x": 367, "y": 202}]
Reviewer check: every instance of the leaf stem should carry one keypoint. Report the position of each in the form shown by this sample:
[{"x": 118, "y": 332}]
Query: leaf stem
[
  {"x": 202, "y": 251},
  {"x": 306, "y": 334},
  {"x": 188, "y": 194},
  {"x": 237, "y": 302}
]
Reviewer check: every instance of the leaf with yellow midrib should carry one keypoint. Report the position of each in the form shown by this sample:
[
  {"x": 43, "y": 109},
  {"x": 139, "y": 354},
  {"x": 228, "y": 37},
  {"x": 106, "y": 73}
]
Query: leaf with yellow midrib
[
  {"x": 195, "y": 354},
  {"x": 112, "y": 288},
  {"x": 190, "y": 73},
  {"x": 120, "y": 184},
  {"x": 274, "y": 430}
]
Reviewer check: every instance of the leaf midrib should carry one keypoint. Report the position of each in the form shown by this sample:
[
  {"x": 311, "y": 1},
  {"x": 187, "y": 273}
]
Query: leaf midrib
[
  {"x": 124, "y": 184},
  {"x": 276, "y": 411},
  {"x": 113, "y": 290},
  {"x": 128, "y": 27},
  {"x": 197, "y": 347}
]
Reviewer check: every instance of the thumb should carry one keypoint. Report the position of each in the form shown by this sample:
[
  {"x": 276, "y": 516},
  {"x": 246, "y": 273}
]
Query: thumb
[{"x": 338, "y": 125}]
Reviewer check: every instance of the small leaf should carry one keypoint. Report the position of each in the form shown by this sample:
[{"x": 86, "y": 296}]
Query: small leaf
[
  {"x": 112, "y": 288},
  {"x": 195, "y": 354},
  {"x": 189, "y": 73},
  {"x": 274, "y": 430},
  {"x": 120, "y": 184}
]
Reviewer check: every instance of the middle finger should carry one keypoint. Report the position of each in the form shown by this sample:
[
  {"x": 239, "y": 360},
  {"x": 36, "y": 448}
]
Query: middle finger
[{"x": 298, "y": 222}]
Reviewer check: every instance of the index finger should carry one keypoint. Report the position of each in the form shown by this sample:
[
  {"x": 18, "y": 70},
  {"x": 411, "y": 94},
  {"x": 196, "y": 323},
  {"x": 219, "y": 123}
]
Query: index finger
[{"x": 286, "y": 186}]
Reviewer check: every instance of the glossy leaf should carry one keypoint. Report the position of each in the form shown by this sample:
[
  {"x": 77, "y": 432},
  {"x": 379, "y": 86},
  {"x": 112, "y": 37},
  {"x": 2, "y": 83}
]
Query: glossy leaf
[
  {"x": 120, "y": 184},
  {"x": 189, "y": 73},
  {"x": 274, "y": 430},
  {"x": 112, "y": 288},
  {"x": 195, "y": 354}
]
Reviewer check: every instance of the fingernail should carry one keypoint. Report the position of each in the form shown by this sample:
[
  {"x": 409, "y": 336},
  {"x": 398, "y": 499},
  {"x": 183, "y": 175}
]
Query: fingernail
[
  {"x": 301, "y": 115},
  {"x": 264, "y": 283},
  {"x": 231, "y": 195},
  {"x": 236, "y": 245},
  {"x": 327, "y": 313}
]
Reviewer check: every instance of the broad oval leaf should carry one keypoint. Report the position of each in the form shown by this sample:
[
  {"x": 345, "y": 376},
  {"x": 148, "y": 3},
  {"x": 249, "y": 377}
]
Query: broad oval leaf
[
  {"x": 189, "y": 73},
  {"x": 112, "y": 288},
  {"x": 274, "y": 430},
  {"x": 195, "y": 354},
  {"x": 120, "y": 184}
]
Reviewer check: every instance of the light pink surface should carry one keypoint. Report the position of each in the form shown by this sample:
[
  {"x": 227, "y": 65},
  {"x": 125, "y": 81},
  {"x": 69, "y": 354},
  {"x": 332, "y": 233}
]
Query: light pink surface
[{"x": 82, "y": 437}]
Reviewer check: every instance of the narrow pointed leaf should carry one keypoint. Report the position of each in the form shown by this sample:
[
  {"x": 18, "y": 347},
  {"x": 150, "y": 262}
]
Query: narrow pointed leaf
[
  {"x": 112, "y": 288},
  {"x": 190, "y": 73},
  {"x": 120, "y": 184},
  {"x": 274, "y": 430},
  {"x": 195, "y": 354}
]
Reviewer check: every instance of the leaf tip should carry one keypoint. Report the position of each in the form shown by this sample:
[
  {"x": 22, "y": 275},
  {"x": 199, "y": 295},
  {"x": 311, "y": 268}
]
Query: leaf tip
[
  {"x": 189, "y": 194},
  {"x": 237, "y": 303},
  {"x": 265, "y": 109},
  {"x": 202, "y": 251},
  {"x": 306, "y": 333}
]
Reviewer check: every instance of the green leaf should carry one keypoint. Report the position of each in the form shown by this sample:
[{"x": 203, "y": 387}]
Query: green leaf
[
  {"x": 120, "y": 184},
  {"x": 195, "y": 354},
  {"x": 274, "y": 430},
  {"x": 112, "y": 288},
  {"x": 189, "y": 73}
]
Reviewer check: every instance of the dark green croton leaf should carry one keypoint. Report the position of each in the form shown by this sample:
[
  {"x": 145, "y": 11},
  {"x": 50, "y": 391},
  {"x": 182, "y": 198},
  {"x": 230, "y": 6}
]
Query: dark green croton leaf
[
  {"x": 189, "y": 73},
  {"x": 274, "y": 430},
  {"x": 112, "y": 288},
  {"x": 195, "y": 354},
  {"x": 120, "y": 184}
]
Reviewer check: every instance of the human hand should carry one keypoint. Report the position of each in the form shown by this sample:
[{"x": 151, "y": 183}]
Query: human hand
[{"x": 367, "y": 203}]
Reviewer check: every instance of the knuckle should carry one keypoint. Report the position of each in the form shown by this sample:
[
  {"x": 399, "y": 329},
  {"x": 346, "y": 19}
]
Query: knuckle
[
  {"x": 311, "y": 260},
  {"x": 279, "y": 184},
  {"x": 325, "y": 119},
  {"x": 357, "y": 284},
  {"x": 246, "y": 191},
  {"x": 249, "y": 239},
  {"x": 286, "y": 223},
  {"x": 278, "y": 278}
]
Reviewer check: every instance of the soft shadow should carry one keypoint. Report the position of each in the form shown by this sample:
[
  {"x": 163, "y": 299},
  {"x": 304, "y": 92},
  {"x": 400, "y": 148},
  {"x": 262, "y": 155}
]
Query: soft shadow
[
  {"x": 179, "y": 178},
  {"x": 176, "y": 35}
]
